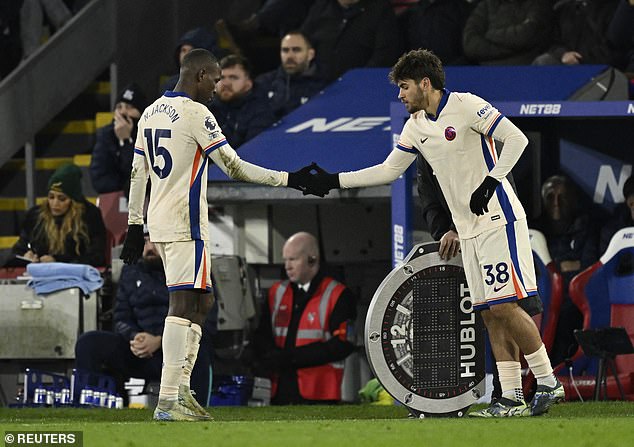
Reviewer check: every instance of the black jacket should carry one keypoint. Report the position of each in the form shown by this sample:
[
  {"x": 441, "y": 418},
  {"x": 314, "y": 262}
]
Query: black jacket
[
  {"x": 242, "y": 119},
  {"x": 281, "y": 16},
  {"x": 576, "y": 241},
  {"x": 111, "y": 161},
  {"x": 286, "y": 92},
  {"x": 507, "y": 32},
  {"x": 437, "y": 26},
  {"x": 93, "y": 253},
  {"x": 581, "y": 26},
  {"x": 620, "y": 36},
  {"x": 436, "y": 214},
  {"x": 142, "y": 301},
  {"x": 364, "y": 35}
]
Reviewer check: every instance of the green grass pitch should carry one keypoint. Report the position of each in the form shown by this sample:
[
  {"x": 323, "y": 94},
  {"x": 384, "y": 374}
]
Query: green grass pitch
[{"x": 591, "y": 424}]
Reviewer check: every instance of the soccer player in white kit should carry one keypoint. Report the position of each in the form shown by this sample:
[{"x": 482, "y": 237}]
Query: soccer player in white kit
[
  {"x": 177, "y": 136},
  {"x": 455, "y": 133}
]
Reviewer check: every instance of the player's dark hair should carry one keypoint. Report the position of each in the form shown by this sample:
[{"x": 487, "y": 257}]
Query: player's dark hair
[
  {"x": 198, "y": 58},
  {"x": 233, "y": 59},
  {"x": 419, "y": 64}
]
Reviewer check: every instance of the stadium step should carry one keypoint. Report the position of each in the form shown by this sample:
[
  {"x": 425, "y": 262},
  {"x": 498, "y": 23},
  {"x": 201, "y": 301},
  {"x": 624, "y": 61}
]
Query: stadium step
[{"x": 69, "y": 137}]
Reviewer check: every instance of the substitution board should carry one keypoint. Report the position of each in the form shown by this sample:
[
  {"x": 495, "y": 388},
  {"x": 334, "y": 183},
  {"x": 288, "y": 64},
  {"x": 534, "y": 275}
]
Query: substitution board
[{"x": 423, "y": 339}]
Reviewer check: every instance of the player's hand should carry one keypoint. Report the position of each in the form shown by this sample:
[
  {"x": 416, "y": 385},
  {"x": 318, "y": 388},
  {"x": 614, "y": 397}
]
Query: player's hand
[
  {"x": 133, "y": 245},
  {"x": 479, "y": 203},
  {"x": 449, "y": 245},
  {"x": 302, "y": 179},
  {"x": 322, "y": 181}
]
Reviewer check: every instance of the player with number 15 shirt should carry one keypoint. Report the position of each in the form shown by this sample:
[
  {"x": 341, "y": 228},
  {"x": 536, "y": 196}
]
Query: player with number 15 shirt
[{"x": 175, "y": 138}]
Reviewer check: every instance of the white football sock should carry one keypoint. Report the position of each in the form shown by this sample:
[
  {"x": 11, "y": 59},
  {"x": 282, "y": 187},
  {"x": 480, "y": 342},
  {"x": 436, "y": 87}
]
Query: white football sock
[
  {"x": 174, "y": 351},
  {"x": 539, "y": 363},
  {"x": 511, "y": 380},
  {"x": 193, "y": 343}
]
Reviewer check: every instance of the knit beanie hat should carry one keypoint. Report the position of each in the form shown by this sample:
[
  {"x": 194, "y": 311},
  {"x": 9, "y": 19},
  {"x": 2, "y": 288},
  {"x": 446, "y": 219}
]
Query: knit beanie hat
[
  {"x": 67, "y": 179},
  {"x": 133, "y": 95}
]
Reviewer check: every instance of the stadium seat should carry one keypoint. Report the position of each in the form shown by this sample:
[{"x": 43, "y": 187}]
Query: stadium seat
[
  {"x": 549, "y": 285},
  {"x": 114, "y": 210},
  {"x": 604, "y": 293}
]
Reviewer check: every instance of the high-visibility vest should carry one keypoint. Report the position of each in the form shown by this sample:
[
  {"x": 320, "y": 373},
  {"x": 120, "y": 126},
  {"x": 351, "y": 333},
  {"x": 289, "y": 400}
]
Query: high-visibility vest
[{"x": 316, "y": 382}]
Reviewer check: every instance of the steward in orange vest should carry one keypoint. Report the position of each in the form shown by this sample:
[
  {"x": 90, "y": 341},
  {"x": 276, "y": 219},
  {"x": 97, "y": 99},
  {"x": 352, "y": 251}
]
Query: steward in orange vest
[{"x": 303, "y": 339}]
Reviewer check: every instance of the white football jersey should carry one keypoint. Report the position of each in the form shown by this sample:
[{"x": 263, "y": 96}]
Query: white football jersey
[
  {"x": 175, "y": 134},
  {"x": 458, "y": 144},
  {"x": 175, "y": 140}
]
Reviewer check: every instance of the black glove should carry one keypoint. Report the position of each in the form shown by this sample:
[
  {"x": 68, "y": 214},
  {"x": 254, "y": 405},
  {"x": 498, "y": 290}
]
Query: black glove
[
  {"x": 322, "y": 182},
  {"x": 133, "y": 245},
  {"x": 301, "y": 179},
  {"x": 481, "y": 196}
]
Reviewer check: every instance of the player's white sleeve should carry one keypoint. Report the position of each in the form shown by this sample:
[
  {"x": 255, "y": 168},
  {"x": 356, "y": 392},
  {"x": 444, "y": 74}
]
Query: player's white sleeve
[
  {"x": 138, "y": 182},
  {"x": 394, "y": 165},
  {"x": 514, "y": 144},
  {"x": 231, "y": 164},
  {"x": 208, "y": 135}
]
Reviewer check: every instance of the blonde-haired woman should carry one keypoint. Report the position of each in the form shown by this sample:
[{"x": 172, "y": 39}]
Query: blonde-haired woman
[{"x": 66, "y": 227}]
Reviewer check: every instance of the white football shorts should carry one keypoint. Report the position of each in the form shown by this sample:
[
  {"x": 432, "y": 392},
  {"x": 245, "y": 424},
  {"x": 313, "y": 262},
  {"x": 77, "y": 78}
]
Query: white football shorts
[
  {"x": 499, "y": 265},
  {"x": 187, "y": 264}
]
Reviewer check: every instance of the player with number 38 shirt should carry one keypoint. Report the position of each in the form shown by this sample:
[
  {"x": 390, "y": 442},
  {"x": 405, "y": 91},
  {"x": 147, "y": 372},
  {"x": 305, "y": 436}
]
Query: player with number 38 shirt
[{"x": 454, "y": 132}]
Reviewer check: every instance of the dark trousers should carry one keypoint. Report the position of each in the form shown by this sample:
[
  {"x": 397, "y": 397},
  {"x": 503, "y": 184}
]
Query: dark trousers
[{"x": 109, "y": 353}]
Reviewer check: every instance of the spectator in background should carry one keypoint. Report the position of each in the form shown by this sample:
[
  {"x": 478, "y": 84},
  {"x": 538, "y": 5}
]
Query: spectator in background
[
  {"x": 295, "y": 81},
  {"x": 277, "y": 17},
  {"x": 403, "y": 6},
  {"x": 305, "y": 329},
  {"x": 10, "y": 47},
  {"x": 352, "y": 33},
  {"x": 572, "y": 240},
  {"x": 437, "y": 25},
  {"x": 111, "y": 161},
  {"x": 134, "y": 348},
  {"x": 580, "y": 33},
  {"x": 623, "y": 216},
  {"x": 66, "y": 227},
  {"x": 507, "y": 32},
  {"x": 240, "y": 113},
  {"x": 194, "y": 38},
  {"x": 621, "y": 36},
  {"x": 31, "y": 20}
]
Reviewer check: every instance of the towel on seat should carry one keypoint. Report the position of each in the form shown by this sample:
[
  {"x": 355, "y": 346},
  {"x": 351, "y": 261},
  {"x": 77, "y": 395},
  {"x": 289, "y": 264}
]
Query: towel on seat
[{"x": 50, "y": 277}]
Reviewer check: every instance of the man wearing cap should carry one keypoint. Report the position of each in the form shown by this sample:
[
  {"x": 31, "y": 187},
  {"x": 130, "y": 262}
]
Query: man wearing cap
[
  {"x": 112, "y": 156},
  {"x": 65, "y": 227}
]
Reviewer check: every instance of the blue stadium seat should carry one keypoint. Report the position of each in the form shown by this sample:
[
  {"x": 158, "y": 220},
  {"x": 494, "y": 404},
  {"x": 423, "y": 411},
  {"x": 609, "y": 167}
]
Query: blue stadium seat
[{"x": 604, "y": 293}]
